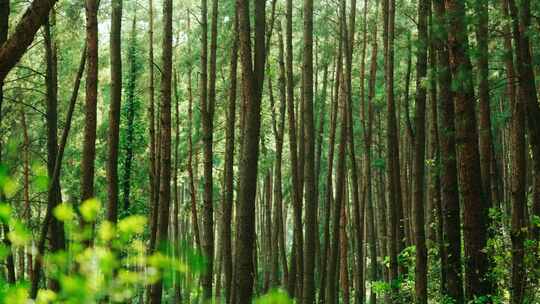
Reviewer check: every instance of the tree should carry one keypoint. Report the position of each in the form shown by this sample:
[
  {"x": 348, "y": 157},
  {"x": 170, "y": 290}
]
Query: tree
[
  {"x": 90, "y": 106},
  {"x": 114, "y": 109},
  {"x": 14, "y": 48},
  {"x": 228, "y": 171},
  {"x": 308, "y": 286},
  {"x": 165, "y": 140},
  {"x": 475, "y": 213},
  {"x": 419, "y": 156},
  {"x": 252, "y": 81}
]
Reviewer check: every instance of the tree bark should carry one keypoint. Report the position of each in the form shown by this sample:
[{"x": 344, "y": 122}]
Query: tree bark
[
  {"x": 89, "y": 144},
  {"x": 14, "y": 48},
  {"x": 165, "y": 161},
  {"x": 475, "y": 213},
  {"x": 228, "y": 171},
  {"x": 419, "y": 156},
  {"x": 308, "y": 286},
  {"x": 252, "y": 80},
  {"x": 114, "y": 110}
]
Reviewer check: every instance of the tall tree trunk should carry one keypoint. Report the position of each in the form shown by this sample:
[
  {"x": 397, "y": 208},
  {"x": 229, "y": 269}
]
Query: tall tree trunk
[
  {"x": 449, "y": 182},
  {"x": 396, "y": 211},
  {"x": 519, "y": 202},
  {"x": 114, "y": 110},
  {"x": 419, "y": 156},
  {"x": 295, "y": 177},
  {"x": 207, "y": 100},
  {"x": 332, "y": 279},
  {"x": 329, "y": 176},
  {"x": 54, "y": 197},
  {"x": 308, "y": 286},
  {"x": 89, "y": 144},
  {"x": 475, "y": 213},
  {"x": 154, "y": 178},
  {"x": 367, "y": 156},
  {"x": 55, "y": 177},
  {"x": 252, "y": 81},
  {"x": 192, "y": 177},
  {"x": 527, "y": 91},
  {"x": 165, "y": 142},
  {"x": 228, "y": 171},
  {"x": 527, "y": 95},
  {"x": 484, "y": 123}
]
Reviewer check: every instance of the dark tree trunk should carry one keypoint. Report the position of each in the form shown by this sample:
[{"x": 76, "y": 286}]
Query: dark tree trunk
[
  {"x": 451, "y": 255},
  {"x": 527, "y": 101},
  {"x": 12, "y": 49},
  {"x": 114, "y": 110},
  {"x": 527, "y": 91},
  {"x": 252, "y": 81},
  {"x": 55, "y": 177},
  {"x": 332, "y": 279},
  {"x": 89, "y": 144},
  {"x": 165, "y": 142},
  {"x": 228, "y": 171},
  {"x": 54, "y": 197},
  {"x": 329, "y": 193},
  {"x": 419, "y": 156},
  {"x": 475, "y": 213},
  {"x": 484, "y": 123},
  {"x": 153, "y": 176},
  {"x": 311, "y": 231},
  {"x": 396, "y": 211}
]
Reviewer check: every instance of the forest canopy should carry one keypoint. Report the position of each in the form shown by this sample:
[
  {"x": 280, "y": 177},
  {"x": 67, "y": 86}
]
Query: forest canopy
[{"x": 270, "y": 151}]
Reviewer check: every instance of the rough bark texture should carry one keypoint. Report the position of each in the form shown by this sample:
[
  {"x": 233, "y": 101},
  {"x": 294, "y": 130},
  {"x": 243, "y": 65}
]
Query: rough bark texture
[
  {"x": 527, "y": 101},
  {"x": 449, "y": 183},
  {"x": 165, "y": 141},
  {"x": 90, "y": 106},
  {"x": 14, "y": 48},
  {"x": 521, "y": 19},
  {"x": 252, "y": 80},
  {"x": 475, "y": 213}
]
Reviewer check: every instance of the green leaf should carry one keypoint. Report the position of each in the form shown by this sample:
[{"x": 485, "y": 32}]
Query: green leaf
[
  {"x": 90, "y": 209},
  {"x": 64, "y": 212}
]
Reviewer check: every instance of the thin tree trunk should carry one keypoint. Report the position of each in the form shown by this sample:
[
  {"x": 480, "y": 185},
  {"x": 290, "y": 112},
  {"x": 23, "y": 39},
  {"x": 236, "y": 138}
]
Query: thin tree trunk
[
  {"x": 228, "y": 171},
  {"x": 89, "y": 144},
  {"x": 54, "y": 197},
  {"x": 114, "y": 110},
  {"x": 419, "y": 157},
  {"x": 55, "y": 177},
  {"x": 311, "y": 231},
  {"x": 332, "y": 279},
  {"x": 165, "y": 142}
]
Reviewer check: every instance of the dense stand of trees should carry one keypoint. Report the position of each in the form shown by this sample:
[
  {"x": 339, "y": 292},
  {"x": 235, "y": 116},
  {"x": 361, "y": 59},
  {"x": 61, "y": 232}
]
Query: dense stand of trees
[{"x": 322, "y": 151}]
